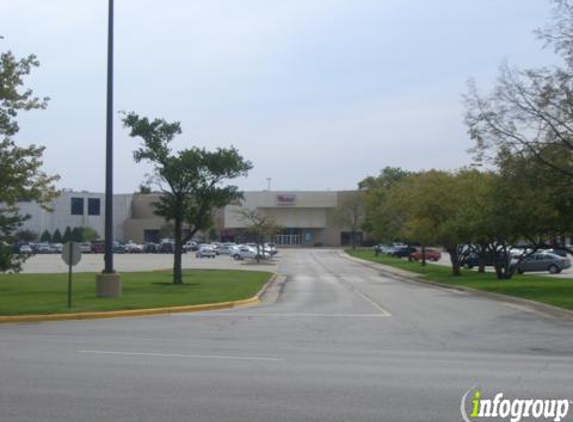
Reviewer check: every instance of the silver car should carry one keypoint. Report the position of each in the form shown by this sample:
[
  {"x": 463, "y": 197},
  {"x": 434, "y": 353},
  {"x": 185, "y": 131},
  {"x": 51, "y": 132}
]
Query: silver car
[
  {"x": 206, "y": 252},
  {"x": 543, "y": 261}
]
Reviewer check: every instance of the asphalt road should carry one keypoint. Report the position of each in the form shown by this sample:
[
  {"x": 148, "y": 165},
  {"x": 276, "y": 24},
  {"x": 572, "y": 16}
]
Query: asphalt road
[{"x": 339, "y": 343}]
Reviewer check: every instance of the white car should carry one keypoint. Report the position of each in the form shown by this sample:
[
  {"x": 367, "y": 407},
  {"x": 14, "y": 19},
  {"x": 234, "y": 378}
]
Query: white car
[
  {"x": 206, "y": 252},
  {"x": 133, "y": 248},
  {"x": 25, "y": 250},
  {"x": 247, "y": 252},
  {"x": 86, "y": 247},
  {"x": 43, "y": 248}
]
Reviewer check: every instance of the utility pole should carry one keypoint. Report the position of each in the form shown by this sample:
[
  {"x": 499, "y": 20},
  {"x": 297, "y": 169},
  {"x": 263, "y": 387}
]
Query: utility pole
[{"x": 108, "y": 283}]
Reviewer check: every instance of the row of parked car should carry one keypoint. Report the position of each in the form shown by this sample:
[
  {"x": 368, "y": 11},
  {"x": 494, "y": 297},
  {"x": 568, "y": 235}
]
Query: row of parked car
[
  {"x": 525, "y": 260},
  {"x": 237, "y": 252},
  {"x": 400, "y": 250}
]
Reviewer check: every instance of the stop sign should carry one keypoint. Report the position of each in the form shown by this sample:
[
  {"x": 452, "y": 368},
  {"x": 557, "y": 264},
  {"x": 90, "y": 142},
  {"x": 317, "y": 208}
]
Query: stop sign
[{"x": 71, "y": 253}]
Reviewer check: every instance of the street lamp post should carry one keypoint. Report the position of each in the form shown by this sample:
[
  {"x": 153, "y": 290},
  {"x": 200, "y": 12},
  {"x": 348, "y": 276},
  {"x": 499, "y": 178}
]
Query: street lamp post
[{"x": 108, "y": 283}]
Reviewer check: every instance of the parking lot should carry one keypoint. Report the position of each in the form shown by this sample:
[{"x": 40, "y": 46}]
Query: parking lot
[{"x": 53, "y": 263}]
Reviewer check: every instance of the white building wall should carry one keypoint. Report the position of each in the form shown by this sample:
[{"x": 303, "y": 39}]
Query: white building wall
[{"x": 61, "y": 216}]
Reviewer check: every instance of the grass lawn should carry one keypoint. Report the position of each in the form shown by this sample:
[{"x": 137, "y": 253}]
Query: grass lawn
[
  {"x": 22, "y": 294},
  {"x": 551, "y": 290}
]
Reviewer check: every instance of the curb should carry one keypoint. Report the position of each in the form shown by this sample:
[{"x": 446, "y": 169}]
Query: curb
[
  {"x": 410, "y": 277},
  {"x": 142, "y": 312}
]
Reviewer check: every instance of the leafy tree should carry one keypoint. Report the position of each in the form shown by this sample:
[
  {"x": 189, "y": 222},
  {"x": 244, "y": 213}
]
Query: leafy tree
[
  {"x": 88, "y": 234},
  {"x": 26, "y": 236},
  {"x": 166, "y": 231},
  {"x": 387, "y": 177},
  {"x": 21, "y": 176},
  {"x": 382, "y": 220},
  {"x": 191, "y": 181},
  {"x": 529, "y": 112},
  {"x": 57, "y": 237},
  {"x": 46, "y": 236},
  {"x": 260, "y": 225},
  {"x": 351, "y": 213}
]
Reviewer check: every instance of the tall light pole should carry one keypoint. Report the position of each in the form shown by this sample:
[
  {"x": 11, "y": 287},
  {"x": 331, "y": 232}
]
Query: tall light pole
[{"x": 108, "y": 283}]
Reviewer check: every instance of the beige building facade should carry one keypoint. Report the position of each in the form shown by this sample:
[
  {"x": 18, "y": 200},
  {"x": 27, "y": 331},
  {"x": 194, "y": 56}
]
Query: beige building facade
[{"x": 306, "y": 218}]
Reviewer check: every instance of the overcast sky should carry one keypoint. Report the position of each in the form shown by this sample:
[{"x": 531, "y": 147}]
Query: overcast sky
[{"x": 317, "y": 94}]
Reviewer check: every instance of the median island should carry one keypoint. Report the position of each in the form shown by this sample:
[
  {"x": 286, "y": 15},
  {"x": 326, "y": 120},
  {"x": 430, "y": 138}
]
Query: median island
[
  {"x": 555, "y": 291},
  {"x": 46, "y": 294}
]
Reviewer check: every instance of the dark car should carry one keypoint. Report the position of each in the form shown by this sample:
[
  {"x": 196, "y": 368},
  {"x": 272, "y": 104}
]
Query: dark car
[
  {"x": 151, "y": 247},
  {"x": 118, "y": 247},
  {"x": 167, "y": 247},
  {"x": 98, "y": 247},
  {"x": 472, "y": 260},
  {"x": 401, "y": 252}
]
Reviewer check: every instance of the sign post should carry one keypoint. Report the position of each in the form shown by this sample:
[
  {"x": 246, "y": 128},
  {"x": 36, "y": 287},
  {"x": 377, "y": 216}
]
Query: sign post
[{"x": 71, "y": 254}]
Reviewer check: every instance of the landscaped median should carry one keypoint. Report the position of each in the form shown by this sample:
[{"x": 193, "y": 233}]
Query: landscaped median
[
  {"x": 549, "y": 290},
  {"x": 44, "y": 296}
]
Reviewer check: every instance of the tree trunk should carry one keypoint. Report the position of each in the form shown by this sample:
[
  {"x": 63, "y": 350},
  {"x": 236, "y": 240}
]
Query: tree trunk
[
  {"x": 455, "y": 262},
  {"x": 423, "y": 255},
  {"x": 353, "y": 239},
  {"x": 177, "y": 273}
]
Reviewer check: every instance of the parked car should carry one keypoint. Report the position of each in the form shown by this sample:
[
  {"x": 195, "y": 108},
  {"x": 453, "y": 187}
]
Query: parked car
[
  {"x": 272, "y": 248},
  {"x": 401, "y": 251},
  {"x": 206, "y": 252},
  {"x": 559, "y": 252},
  {"x": 471, "y": 260},
  {"x": 131, "y": 247},
  {"x": 167, "y": 247},
  {"x": 151, "y": 247},
  {"x": 543, "y": 261},
  {"x": 430, "y": 254},
  {"x": 98, "y": 247},
  {"x": 118, "y": 248},
  {"x": 86, "y": 247},
  {"x": 246, "y": 252},
  {"x": 56, "y": 247},
  {"x": 225, "y": 248},
  {"x": 191, "y": 245},
  {"x": 43, "y": 248},
  {"x": 25, "y": 250}
]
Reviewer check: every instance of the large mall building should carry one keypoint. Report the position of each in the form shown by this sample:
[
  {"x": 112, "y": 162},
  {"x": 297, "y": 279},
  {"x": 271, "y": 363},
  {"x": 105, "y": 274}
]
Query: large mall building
[{"x": 306, "y": 218}]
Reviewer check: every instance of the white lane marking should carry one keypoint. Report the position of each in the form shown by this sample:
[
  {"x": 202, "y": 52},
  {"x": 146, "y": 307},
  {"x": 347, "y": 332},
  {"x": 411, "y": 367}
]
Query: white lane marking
[
  {"x": 383, "y": 311},
  {"x": 178, "y": 355},
  {"x": 292, "y": 315}
]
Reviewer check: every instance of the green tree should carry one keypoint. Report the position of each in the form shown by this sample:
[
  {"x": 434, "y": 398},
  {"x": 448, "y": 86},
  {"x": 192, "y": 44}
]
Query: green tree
[
  {"x": 166, "y": 231},
  {"x": 77, "y": 235},
  {"x": 46, "y": 236},
  {"x": 191, "y": 181},
  {"x": 67, "y": 235},
  {"x": 88, "y": 234},
  {"x": 57, "y": 237},
  {"x": 21, "y": 176},
  {"x": 260, "y": 225},
  {"x": 26, "y": 236},
  {"x": 382, "y": 220}
]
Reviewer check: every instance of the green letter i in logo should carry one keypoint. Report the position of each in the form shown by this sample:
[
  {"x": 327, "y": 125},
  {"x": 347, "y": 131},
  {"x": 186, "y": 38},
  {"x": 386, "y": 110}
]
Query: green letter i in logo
[{"x": 475, "y": 401}]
